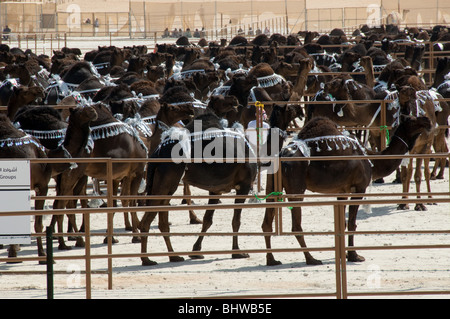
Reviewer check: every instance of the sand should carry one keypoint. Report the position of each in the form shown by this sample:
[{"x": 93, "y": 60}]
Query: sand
[{"x": 400, "y": 270}]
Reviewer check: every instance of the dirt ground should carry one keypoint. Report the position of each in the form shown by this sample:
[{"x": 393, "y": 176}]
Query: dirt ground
[{"x": 400, "y": 270}]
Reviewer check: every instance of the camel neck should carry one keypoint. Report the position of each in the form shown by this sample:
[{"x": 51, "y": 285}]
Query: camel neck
[{"x": 384, "y": 167}]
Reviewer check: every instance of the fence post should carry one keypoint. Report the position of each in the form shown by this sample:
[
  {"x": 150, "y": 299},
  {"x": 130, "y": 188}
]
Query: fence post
[
  {"x": 87, "y": 237},
  {"x": 49, "y": 240},
  {"x": 109, "y": 185},
  {"x": 340, "y": 259}
]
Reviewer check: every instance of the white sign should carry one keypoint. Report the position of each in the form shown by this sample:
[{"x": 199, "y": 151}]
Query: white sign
[{"x": 15, "y": 196}]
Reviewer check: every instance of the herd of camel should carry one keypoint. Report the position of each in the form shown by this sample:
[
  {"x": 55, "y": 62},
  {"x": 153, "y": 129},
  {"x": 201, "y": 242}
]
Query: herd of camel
[{"x": 124, "y": 103}]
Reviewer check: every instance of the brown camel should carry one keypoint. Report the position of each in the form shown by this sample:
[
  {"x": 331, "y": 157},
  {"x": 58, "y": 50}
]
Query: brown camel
[
  {"x": 115, "y": 139},
  {"x": 320, "y": 137},
  {"x": 16, "y": 144},
  {"x": 21, "y": 145},
  {"x": 420, "y": 103},
  {"x": 217, "y": 178},
  {"x": 23, "y": 95}
]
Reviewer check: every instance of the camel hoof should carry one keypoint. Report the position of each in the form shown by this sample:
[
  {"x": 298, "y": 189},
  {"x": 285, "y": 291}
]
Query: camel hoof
[
  {"x": 354, "y": 257},
  {"x": 313, "y": 262},
  {"x": 72, "y": 238},
  {"x": 195, "y": 221},
  {"x": 273, "y": 262},
  {"x": 420, "y": 207},
  {"x": 80, "y": 243},
  {"x": 64, "y": 247},
  {"x": 136, "y": 240},
  {"x": 196, "y": 256},
  {"x": 238, "y": 256},
  {"x": 403, "y": 207},
  {"x": 114, "y": 241},
  {"x": 148, "y": 262},
  {"x": 175, "y": 259}
]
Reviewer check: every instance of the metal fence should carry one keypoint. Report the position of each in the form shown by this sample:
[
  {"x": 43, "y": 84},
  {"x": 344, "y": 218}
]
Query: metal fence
[{"x": 339, "y": 248}]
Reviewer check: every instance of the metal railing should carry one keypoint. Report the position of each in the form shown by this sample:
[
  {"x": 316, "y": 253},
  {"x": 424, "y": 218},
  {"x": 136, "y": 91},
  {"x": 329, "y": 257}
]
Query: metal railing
[{"x": 280, "y": 202}]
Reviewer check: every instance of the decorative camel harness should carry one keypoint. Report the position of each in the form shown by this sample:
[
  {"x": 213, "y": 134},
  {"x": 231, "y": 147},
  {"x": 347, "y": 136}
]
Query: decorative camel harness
[
  {"x": 182, "y": 136},
  {"x": 332, "y": 142}
]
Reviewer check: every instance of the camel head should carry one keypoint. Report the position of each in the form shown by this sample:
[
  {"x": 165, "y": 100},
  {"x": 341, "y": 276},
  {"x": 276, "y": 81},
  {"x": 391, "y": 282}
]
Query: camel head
[
  {"x": 171, "y": 114},
  {"x": 83, "y": 115},
  {"x": 442, "y": 70},
  {"x": 411, "y": 127},
  {"x": 241, "y": 86},
  {"x": 407, "y": 99},
  {"x": 282, "y": 115},
  {"x": 126, "y": 108},
  {"x": 306, "y": 65},
  {"x": 221, "y": 105},
  {"x": 337, "y": 87}
]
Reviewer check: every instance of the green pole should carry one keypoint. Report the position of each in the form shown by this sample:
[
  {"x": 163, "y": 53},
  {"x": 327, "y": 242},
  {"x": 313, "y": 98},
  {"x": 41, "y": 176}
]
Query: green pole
[{"x": 49, "y": 236}]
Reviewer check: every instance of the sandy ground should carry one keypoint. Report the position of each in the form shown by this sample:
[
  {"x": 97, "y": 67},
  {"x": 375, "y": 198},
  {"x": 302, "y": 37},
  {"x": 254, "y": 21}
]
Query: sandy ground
[{"x": 405, "y": 270}]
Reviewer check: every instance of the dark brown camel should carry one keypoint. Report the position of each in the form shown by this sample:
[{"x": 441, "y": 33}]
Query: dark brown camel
[
  {"x": 23, "y": 95},
  {"x": 107, "y": 132},
  {"x": 320, "y": 137},
  {"x": 217, "y": 178},
  {"x": 22, "y": 145},
  {"x": 17, "y": 144},
  {"x": 343, "y": 87},
  {"x": 111, "y": 138}
]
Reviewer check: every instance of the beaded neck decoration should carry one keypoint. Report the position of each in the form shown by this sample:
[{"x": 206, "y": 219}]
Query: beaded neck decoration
[
  {"x": 332, "y": 142},
  {"x": 20, "y": 141},
  {"x": 114, "y": 129},
  {"x": 180, "y": 135}
]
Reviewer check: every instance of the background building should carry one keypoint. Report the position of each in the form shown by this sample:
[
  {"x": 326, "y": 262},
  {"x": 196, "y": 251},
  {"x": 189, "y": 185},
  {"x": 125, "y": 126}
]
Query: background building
[{"x": 144, "y": 18}]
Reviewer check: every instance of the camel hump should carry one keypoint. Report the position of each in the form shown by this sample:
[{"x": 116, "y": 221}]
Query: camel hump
[
  {"x": 318, "y": 126},
  {"x": 261, "y": 69}
]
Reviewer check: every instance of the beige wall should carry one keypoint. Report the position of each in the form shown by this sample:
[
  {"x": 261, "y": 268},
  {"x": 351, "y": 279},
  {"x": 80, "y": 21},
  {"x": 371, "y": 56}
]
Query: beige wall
[{"x": 120, "y": 17}]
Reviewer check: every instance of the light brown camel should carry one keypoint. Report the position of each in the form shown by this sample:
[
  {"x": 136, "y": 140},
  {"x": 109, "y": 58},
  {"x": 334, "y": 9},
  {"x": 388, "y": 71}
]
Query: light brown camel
[
  {"x": 420, "y": 105},
  {"x": 320, "y": 137}
]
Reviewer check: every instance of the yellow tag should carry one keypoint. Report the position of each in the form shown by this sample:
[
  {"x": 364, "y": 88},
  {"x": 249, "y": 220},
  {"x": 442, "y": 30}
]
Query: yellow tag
[{"x": 259, "y": 104}]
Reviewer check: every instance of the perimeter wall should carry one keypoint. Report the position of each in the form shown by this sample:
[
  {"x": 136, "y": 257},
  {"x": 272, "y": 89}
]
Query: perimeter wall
[{"x": 142, "y": 18}]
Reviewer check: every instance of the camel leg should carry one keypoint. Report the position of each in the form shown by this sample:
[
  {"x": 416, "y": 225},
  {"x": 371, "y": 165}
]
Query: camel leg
[
  {"x": 12, "y": 253},
  {"x": 406, "y": 173},
  {"x": 268, "y": 222},
  {"x": 58, "y": 220},
  {"x": 130, "y": 187},
  {"x": 418, "y": 180},
  {"x": 72, "y": 220},
  {"x": 125, "y": 183},
  {"x": 38, "y": 224},
  {"x": 207, "y": 223},
  {"x": 353, "y": 211},
  {"x": 236, "y": 223},
  {"x": 296, "y": 214},
  {"x": 427, "y": 173},
  {"x": 193, "y": 219},
  {"x": 164, "y": 227},
  {"x": 165, "y": 185},
  {"x": 115, "y": 190},
  {"x": 144, "y": 226}
]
